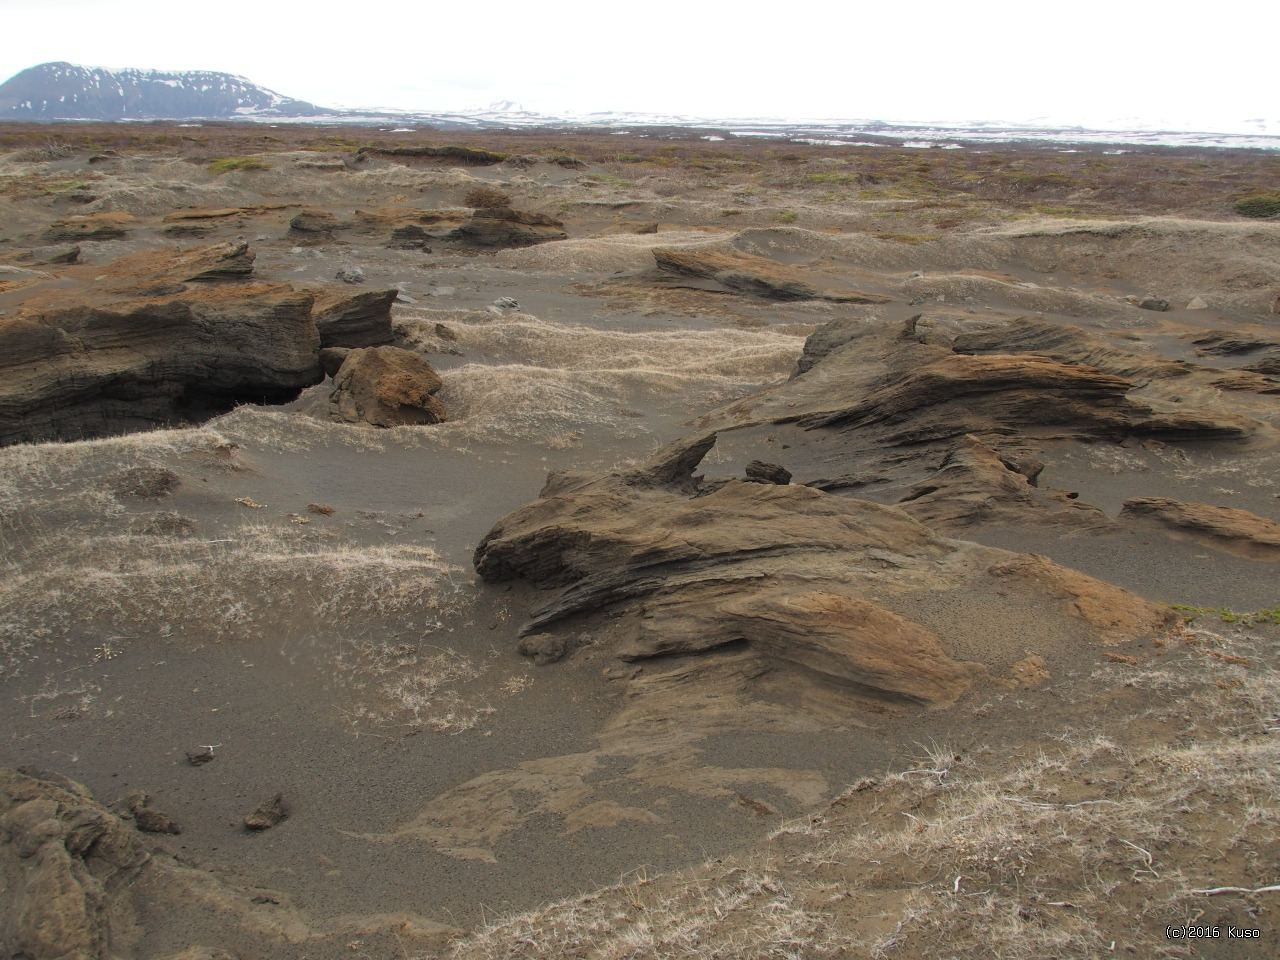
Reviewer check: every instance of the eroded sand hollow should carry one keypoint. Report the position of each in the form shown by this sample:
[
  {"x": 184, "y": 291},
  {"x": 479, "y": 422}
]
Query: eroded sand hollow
[{"x": 567, "y": 633}]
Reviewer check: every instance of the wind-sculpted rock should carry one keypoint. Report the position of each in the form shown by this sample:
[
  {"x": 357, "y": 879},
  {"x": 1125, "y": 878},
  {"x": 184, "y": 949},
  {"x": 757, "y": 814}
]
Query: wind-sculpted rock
[
  {"x": 746, "y": 274},
  {"x": 155, "y": 337},
  {"x": 94, "y": 226},
  {"x": 656, "y": 563},
  {"x": 227, "y": 261},
  {"x": 62, "y": 860},
  {"x": 976, "y": 484},
  {"x": 910, "y": 385},
  {"x": 315, "y": 222},
  {"x": 386, "y": 387},
  {"x": 500, "y": 228},
  {"x": 89, "y": 371},
  {"x": 1226, "y": 528},
  {"x": 79, "y": 883}
]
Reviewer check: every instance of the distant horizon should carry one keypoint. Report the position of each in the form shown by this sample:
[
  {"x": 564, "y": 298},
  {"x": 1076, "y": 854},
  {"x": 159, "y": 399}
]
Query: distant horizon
[
  {"x": 1245, "y": 128},
  {"x": 1103, "y": 67}
]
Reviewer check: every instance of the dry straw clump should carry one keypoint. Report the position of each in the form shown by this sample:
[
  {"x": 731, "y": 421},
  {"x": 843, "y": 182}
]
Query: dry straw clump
[{"x": 542, "y": 379}]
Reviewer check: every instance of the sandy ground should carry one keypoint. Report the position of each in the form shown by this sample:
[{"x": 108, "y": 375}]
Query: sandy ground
[{"x": 355, "y": 662}]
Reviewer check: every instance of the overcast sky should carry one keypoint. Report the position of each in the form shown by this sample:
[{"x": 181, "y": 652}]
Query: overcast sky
[{"x": 1206, "y": 67}]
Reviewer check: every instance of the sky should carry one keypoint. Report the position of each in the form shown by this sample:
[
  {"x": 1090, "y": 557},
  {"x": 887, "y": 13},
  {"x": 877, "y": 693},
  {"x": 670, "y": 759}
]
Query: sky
[{"x": 1114, "y": 64}]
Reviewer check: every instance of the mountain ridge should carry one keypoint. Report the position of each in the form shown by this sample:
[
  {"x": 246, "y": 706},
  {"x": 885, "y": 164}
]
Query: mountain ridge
[{"x": 66, "y": 91}]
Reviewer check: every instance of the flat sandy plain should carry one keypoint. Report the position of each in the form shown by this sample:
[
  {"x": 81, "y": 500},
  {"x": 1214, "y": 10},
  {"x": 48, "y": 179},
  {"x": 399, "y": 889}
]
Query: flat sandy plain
[{"x": 1100, "y": 762}]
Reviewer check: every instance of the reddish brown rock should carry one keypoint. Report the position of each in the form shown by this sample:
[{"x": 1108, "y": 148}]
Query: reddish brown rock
[
  {"x": 386, "y": 387},
  {"x": 653, "y": 562}
]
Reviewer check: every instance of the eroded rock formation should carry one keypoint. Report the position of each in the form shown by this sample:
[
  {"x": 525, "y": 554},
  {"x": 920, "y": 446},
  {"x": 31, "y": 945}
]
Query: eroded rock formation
[
  {"x": 71, "y": 372},
  {"x": 659, "y": 563},
  {"x": 1226, "y": 528},
  {"x": 747, "y": 274},
  {"x": 360, "y": 321}
]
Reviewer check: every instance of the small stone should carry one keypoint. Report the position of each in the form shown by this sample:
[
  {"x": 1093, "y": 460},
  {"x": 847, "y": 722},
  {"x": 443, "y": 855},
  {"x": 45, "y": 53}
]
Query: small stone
[
  {"x": 1153, "y": 303},
  {"x": 507, "y": 303},
  {"x": 199, "y": 756},
  {"x": 543, "y": 648},
  {"x": 1197, "y": 303},
  {"x": 760, "y": 472},
  {"x": 350, "y": 274},
  {"x": 146, "y": 817},
  {"x": 267, "y": 814}
]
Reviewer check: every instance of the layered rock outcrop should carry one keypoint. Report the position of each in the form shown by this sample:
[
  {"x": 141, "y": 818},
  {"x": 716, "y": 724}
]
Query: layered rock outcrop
[
  {"x": 75, "y": 372},
  {"x": 154, "y": 337},
  {"x": 360, "y": 321},
  {"x": 747, "y": 275},
  {"x": 655, "y": 561},
  {"x": 498, "y": 228},
  {"x": 1225, "y": 528}
]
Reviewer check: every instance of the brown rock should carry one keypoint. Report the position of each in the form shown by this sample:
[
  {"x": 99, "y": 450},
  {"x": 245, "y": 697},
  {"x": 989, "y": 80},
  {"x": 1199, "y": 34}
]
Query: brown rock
[
  {"x": 760, "y": 472},
  {"x": 332, "y": 358},
  {"x": 1226, "y": 528},
  {"x": 976, "y": 484},
  {"x": 653, "y": 562},
  {"x": 315, "y": 222},
  {"x": 61, "y": 863},
  {"x": 501, "y": 228},
  {"x": 200, "y": 756},
  {"x": 146, "y": 817},
  {"x": 892, "y": 390},
  {"x": 747, "y": 274},
  {"x": 267, "y": 814},
  {"x": 1228, "y": 343},
  {"x": 113, "y": 365},
  {"x": 95, "y": 226},
  {"x": 58, "y": 911},
  {"x": 386, "y": 387},
  {"x": 360, "y": 321}
]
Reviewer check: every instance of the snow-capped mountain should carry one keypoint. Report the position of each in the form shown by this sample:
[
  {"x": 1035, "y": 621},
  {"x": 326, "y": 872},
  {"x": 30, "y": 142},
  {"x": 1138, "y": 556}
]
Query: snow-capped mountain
[{"x": 64, "y": 91}]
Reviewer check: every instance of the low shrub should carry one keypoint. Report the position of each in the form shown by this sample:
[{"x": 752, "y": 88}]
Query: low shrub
[
  {"x": 1266, "y": 204},
  {"x": 227, "y": 164},
  {"x": 487, "y": 198}
]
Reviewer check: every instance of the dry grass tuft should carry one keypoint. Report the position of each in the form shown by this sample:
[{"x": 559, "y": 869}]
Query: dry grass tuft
[{"x": 547, "y": 380}]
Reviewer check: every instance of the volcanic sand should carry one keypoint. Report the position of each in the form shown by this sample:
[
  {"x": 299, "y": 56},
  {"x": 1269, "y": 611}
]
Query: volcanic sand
[{"x": 352, "y": 659}]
